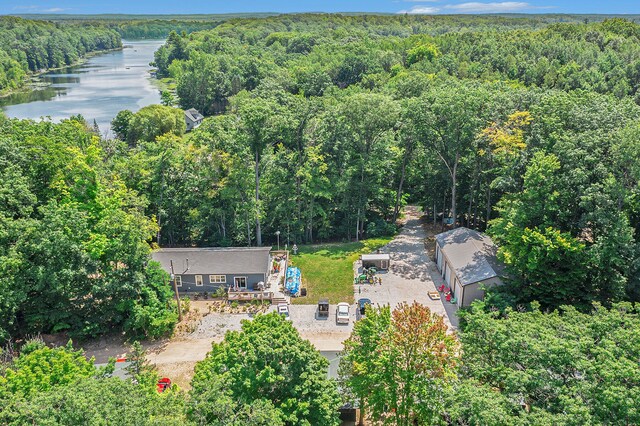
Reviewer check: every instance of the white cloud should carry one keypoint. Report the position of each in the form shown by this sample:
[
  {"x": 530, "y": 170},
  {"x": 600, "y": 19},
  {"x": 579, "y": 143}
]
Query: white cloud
[
  {"x": 421, "y": 10},
  {"x": 25, "y": 7},
  {"x": 474, "y": 7},
  {"x": 495, "y": 7},
  {"x": 39, "y": 9}
]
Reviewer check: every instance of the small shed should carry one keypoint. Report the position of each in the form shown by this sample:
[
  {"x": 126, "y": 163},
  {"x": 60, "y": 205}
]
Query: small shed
[
  {"x": 192, "y": 118},
  {"x": 467, "y": 260},
  {"x": 377, "y": 260}
]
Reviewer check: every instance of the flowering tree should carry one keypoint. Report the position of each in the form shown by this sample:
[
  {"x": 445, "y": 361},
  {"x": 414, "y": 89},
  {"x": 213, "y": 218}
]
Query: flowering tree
[{"x": 400, "y": 364}]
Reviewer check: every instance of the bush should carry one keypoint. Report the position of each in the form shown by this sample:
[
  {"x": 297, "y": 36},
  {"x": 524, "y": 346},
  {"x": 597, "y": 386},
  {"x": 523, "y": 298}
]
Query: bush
[
  {"x": 380, "y": 228},
  {"x": 151, "y": 322},
  {"x": 185, "y": 303}
]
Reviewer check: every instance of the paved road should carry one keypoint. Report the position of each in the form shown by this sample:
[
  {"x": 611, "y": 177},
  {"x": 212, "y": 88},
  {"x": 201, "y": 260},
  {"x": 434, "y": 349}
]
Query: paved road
[{"x": 411, "y": 274}]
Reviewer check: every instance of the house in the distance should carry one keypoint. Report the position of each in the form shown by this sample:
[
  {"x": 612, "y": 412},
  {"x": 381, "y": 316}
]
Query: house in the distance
[
  {"x": 193, "y": 118},
  {"x": 467, "y": 261},
  {"x": 207, "y": 269}
]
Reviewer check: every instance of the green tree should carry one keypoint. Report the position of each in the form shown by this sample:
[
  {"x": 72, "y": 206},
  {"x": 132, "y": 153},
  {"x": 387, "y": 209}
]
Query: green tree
[
  {"x": 153, "y": 121},
  {"x": 400, "y": 364},
  {"x": 139, "y": 368},
  {"x": 214, "y": 404},
  {"x": 562, "y": 367},
  {"x": 39, "y": 368},
  {"x": 544, "y": 263},
  {"x": 268, "y": 364},
  {"x": 121, "y": 124},
  {"x": 450, "y": 119},
  {"x": 167, "y": 98},
  {"x": 97, "y": 401}
]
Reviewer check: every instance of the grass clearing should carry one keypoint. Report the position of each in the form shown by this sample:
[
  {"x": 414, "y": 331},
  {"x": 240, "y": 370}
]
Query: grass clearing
[{"x": 327, "y": 269}]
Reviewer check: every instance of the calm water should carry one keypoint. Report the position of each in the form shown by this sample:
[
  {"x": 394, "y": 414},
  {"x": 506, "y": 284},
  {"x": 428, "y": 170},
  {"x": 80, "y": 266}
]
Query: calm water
[{"x": 97, "y": 89}]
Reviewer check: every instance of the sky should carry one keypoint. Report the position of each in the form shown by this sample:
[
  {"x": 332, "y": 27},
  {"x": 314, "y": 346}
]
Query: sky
[{"x": 283, "y": 6}]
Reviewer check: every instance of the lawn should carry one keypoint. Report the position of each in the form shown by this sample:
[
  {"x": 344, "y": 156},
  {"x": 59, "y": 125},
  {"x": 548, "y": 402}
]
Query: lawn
[{"x": 327, "y": 269}]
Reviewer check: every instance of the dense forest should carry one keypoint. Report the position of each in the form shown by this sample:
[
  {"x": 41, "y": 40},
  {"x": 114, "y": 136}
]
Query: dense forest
[
  {"x": 324, "y": 127},
  {"x": 74, "y": 240},
  {"x": 28, "y": 46}
]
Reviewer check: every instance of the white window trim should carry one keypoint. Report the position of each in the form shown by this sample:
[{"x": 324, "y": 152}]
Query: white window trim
[
  {"x": 178, "y": 279},
  {"x": 201, "y": 281},
  {"x": 213, "y": 280},
  {"x": 246, "y": 284}
]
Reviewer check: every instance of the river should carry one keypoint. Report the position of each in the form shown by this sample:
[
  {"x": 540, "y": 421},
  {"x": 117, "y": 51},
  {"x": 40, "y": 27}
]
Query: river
[{"x": 98, "y": 89}]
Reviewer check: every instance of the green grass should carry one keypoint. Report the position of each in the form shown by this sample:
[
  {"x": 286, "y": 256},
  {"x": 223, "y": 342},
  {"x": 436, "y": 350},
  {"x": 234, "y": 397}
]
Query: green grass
[{"x": 327, "y": 269}]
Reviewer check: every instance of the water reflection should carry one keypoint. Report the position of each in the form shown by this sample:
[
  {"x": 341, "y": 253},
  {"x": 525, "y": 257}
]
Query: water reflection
[{"x": 97, "y": 89}]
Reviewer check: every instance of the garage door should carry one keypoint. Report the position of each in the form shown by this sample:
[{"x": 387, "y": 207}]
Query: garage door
[
  {"x": 458, "y": 292},
  {"x": 447, "y": 275}
]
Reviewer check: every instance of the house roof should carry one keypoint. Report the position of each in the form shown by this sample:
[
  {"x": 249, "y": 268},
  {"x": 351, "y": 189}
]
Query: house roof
[
  {"x": 193, "y": 114},
  {"x": 471, "y": 254},
  {"x": 374, "y": 256},
  {"x": 214, "y": 260}
]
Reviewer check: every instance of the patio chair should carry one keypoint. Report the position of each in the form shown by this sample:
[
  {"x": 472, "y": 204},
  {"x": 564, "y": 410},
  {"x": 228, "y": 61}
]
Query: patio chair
[
  {"x": 453, "y": 300},
  {"x": 441, "y": 288}
]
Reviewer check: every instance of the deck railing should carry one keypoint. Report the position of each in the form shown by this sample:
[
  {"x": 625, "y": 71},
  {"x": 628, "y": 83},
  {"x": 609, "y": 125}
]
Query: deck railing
[{"x": 244, "y": 296}]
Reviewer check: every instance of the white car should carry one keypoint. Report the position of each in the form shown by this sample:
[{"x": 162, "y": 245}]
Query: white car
[
  {"x": 342, "y": 313},
  {"x": 283, "y": 309}
]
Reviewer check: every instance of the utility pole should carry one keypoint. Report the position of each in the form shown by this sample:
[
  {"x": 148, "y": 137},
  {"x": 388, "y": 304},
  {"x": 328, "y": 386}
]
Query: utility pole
[{"x": 175, "y": 288}]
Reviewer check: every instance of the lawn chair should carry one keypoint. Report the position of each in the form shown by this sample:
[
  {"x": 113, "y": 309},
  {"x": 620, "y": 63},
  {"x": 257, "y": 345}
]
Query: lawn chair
[
  {"x": 453, "y": 300},
  {"x": 448, "y": 298},
  {"x": 441, "y": 288}
]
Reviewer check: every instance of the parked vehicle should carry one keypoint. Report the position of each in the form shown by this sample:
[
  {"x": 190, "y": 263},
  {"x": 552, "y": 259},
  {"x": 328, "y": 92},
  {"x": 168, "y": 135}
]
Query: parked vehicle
[
  {"x": 323, "y": 308},
  {"x": 283, "y": 309},
  {"x": 362, "y": 307},
  {"x": 342, "y": 313}
]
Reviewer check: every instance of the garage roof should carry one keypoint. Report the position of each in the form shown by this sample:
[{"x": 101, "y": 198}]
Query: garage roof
[{"x": 471, "y": 254}]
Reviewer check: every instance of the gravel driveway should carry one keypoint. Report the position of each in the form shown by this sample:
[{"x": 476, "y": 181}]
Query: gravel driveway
[{"x": 411, "y": 274}]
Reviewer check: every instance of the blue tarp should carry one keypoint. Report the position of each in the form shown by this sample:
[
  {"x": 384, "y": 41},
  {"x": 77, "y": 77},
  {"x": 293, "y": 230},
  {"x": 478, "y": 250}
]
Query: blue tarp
[{"x": 292, "y": 281}]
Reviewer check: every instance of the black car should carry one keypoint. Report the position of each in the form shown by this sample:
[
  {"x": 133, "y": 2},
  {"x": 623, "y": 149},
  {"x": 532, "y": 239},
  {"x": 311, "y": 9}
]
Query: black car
[{"x": 362, "y": 307}]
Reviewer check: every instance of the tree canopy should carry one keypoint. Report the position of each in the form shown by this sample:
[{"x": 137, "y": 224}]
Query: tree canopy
[{"x": 265, "y": 368}]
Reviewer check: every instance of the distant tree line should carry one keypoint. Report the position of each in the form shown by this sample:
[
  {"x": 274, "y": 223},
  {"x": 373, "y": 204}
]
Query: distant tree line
[
  {"x": 28, "y": 46},
  {"x": 157, "y": 28}
]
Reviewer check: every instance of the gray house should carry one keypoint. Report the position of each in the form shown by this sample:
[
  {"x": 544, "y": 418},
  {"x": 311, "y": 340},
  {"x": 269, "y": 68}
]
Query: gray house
[
  {"x": 467, "y": 261},
  {"x": 193, "y": 118},
  {"x": 207, "y": 269}
]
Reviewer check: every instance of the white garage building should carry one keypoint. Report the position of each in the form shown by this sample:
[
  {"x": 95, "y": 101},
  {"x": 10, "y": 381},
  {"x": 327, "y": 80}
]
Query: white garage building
[{"x": 467, "y": 261}]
